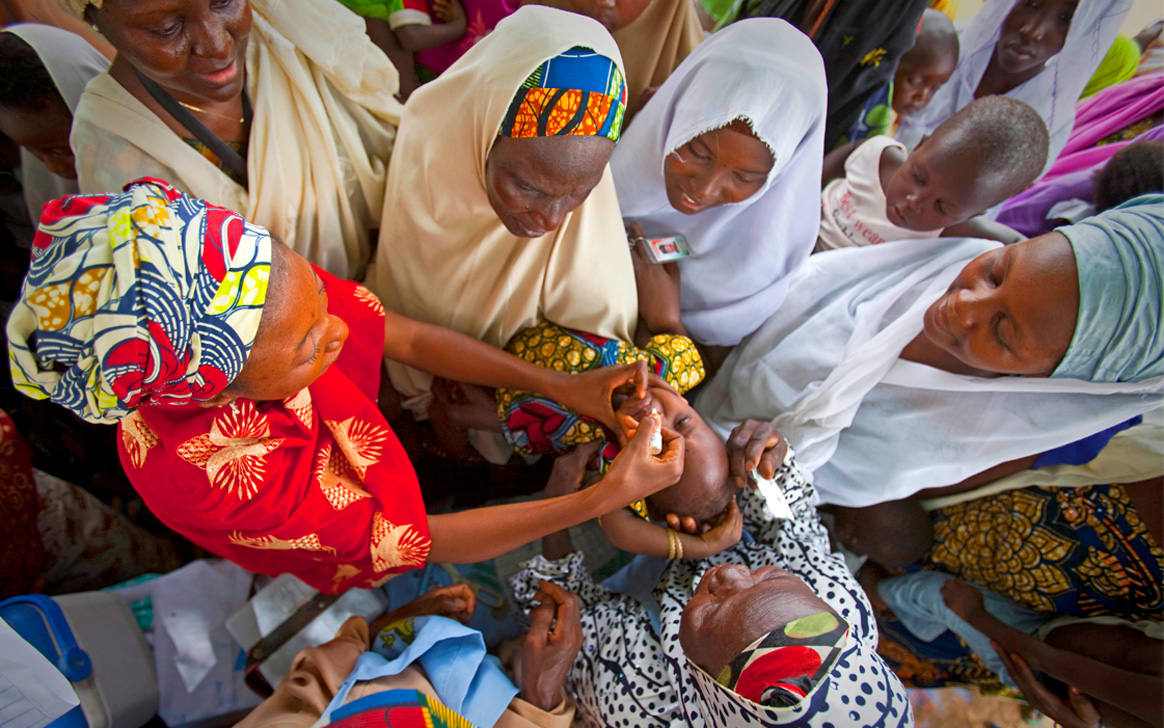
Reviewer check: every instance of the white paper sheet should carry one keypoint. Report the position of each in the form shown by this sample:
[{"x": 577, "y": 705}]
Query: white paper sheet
[{"x": 33, "y": 693}]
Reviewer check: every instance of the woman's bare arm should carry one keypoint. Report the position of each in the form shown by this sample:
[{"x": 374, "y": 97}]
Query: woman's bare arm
[{"x": 485, "y": 533}]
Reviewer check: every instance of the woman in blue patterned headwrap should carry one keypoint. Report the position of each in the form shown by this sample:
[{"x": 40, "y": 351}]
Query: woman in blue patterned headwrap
[{"x": 263, "y": 443}]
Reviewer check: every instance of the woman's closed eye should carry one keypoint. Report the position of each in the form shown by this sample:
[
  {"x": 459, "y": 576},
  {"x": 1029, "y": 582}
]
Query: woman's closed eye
[
  {"x": 998, "y": 330},
  {"x": 167, "y": 31},
  {"x": 696, "y": 153}
]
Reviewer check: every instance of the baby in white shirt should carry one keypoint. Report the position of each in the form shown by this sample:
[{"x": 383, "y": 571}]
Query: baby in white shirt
[{"x": 987, "y": 152}]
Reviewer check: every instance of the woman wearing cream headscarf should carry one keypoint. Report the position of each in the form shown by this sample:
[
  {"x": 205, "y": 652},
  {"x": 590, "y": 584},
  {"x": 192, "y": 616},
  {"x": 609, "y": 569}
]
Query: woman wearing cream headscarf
[
  {"x": 500, "y": 211},
  {"x": 282, "y": 111}
]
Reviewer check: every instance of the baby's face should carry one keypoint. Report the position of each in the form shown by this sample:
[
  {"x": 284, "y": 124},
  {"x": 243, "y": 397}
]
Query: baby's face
[
  {"x": 919, "y": 76},
  {"x": 703, "y": 491},
  {"x": 932, "y": 190}
]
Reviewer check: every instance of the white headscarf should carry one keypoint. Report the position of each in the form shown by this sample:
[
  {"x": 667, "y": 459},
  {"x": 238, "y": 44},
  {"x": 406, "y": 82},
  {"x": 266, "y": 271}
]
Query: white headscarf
[
  {"x": 768, "y": 72},
  {"x": 1053, "y": 93},
  {"x": 71, "y": 62},
  {"x": 873, "y": 427}
]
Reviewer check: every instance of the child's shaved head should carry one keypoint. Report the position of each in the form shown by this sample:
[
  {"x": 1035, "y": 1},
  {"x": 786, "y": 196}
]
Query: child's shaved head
[
  {"x": 704, "y": 490},
  {"x": 1003, "y": 141},
  {"x": 984, "y": 154}
]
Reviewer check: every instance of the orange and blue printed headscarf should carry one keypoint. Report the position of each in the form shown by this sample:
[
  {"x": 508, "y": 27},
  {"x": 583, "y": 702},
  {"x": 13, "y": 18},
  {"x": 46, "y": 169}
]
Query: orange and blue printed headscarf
[
  {"x": 147, "y": 296},
  {"x": 576, "y": 93},
  {"x": 782, "y": 668}
]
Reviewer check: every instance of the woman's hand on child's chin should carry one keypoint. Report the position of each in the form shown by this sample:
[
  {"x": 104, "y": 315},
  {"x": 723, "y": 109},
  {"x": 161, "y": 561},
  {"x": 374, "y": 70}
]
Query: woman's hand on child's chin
[
  {"x": 635, "y": 473},
  {"x": 724, "y": 533},
  {"x": 590, "y": 393}
]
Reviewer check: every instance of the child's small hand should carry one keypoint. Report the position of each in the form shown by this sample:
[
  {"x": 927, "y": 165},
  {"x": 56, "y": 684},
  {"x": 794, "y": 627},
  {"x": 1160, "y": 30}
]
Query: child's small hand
[
  {"x": 724, "y": 533},
  {"x": 447, "y": 10},
  {"x": 569, "y": 469},
  {"x": 963, "y": 599}
]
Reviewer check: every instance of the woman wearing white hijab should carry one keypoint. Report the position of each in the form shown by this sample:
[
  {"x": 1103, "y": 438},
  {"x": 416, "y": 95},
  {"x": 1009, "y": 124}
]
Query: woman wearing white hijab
[
  {"x": 1042, "y": 53},
  {"x": 897, "y": 368},
  {"x": 70, "y": 62},
  {"x": 748, "y": 225}
]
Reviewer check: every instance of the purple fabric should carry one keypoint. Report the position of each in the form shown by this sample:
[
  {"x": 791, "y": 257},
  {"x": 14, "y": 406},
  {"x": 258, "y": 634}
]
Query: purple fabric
[
  {"x": 1113, "y": 109},
  {"x": 1070, "y": 177},
  {"x": 1104, "y": 114},
  {"x": 1027, "y": 211}
]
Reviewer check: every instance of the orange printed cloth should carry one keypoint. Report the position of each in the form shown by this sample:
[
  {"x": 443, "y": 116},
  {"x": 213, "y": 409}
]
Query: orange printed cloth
[
  {"x": 316, "y": 485},
  {"x": 576, "y": 93}
]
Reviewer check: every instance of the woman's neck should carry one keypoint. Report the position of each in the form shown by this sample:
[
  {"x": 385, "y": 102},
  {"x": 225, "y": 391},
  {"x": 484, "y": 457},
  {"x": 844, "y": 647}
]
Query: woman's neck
[
  {"x": 923, "y": 351},
  {"x": 995, "y": 81},
  {"x": 222, "y": 117}
]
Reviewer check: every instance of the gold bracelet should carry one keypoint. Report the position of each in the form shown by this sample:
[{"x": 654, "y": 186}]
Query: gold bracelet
[
  {"x": 678, "y": 547},
  {"x": 670, "y": 543}
]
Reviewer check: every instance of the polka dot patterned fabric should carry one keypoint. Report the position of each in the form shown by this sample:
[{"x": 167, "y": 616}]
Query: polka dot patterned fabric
[{"x": 630, "y": 674}]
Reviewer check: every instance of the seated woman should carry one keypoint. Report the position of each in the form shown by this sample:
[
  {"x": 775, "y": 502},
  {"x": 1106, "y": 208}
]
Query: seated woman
[
  {"x": 723, "y": 163},
  {"x": 45, "y": 71},
  {"x": 291, "y": 124},
  {"x": 428, "y": 670},
  {"x": 945, "y": 363},
  {"x": 1042, "y": 53},
  {"x": 247, "y": 414},
  {"x": 772, "y": 631},
  {"x": 500, "y": 210}
]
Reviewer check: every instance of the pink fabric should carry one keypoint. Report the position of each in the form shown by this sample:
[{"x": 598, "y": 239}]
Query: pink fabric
[
  {"x": 1102, "y": 115},
  {"x": 482, "y": 17},
  {"x": 1027, "y": 211}
]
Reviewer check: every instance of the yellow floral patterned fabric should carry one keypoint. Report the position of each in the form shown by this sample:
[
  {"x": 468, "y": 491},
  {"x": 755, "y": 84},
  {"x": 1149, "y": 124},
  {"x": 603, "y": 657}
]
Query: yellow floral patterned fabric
[
  {"x": 535, "y": 425},
  {"x": 1081, "y": 552}
]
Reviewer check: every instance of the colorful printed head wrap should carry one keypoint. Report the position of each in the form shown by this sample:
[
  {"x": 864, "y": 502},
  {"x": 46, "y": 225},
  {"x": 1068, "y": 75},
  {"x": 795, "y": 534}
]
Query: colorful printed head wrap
[
  {"x": 148, "y": 296},
  {"x": 1120, "y": 256},
  {"x": 782, "y": 668},
  {"x": 577, "y": 93},
  {"x": 399, "y": 708}
]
